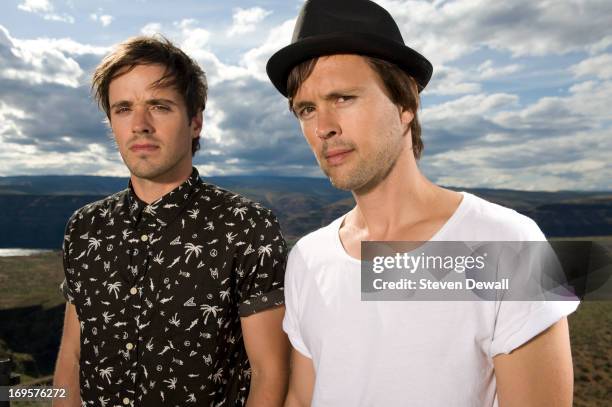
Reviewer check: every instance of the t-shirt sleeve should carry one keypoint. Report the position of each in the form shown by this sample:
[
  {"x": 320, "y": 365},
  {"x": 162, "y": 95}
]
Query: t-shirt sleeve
[
  {"x": 67, "y": 287},
  {"x": 291, "y": 323},
  {"x": 517, "y": 322},
  {"x": 520, "y": 321},
  {"x": 263, "y": 266}
]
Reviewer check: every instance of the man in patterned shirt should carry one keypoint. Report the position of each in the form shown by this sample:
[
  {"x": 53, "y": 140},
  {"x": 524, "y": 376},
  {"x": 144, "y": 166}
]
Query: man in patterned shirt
[{"x": 174, "y": 286}]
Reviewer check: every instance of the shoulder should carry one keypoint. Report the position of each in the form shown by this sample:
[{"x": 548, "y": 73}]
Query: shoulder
[
  {"x": 322, "y": 238},
  {"x": 316, "y": 249},
  {"x": 486, "y": 220},
  {"x": 82, "y": 220},
  {"x": 233, "y": 204},
  {"x": 98, "y": 209}
]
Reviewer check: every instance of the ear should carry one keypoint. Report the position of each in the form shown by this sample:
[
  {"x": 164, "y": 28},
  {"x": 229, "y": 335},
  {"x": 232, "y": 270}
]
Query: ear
[
  {"x": 196, "y": 125},
  {"x": 406, "y": 116}
]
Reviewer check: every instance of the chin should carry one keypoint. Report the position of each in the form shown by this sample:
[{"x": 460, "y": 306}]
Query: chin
[
  {"x": 147, "y": 170},
  {"x": 344, "y": 183},
  {"x": 354, "y": 180},
  {"x": 341, "y": 177}
]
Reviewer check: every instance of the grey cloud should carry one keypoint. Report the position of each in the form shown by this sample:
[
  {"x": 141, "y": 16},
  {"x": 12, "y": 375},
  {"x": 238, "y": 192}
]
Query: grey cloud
[
  {"x": 447, "y": 135},
  {"x": 257, "y": 128},
  {"x": 446, "y": 31},
  {"x": 59, "y": 115},
  {"x": 54, "y": 112},
  {"x": 483, "y": 139},
  {"x": 36, "y": 65},
  {"x": 567, "y": 163}
]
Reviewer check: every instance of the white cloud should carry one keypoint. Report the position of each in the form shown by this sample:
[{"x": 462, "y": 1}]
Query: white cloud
[
  {"x": 35, "y": 64},
  {"x": 64, "y": 18},
  {"x": 195, "y": 41},
  {"x": 193, "y": 38},
  {"x": 599, "y": 66},
  {"x": 36, "y": 6},
  {"x": 470, "y": 105},
  {"x": 447, "y": 80},
  {"x": 151, "y": 29},
  {"x": 246, "y": 20},
  {"x": 21, "y": 155},
  {"x": 554, "y": 135},
  {"x": 255, "y": 59},
  {"x": 487, "y": 70},
  {"x": 93, "y": 159},
  {"x": 556, "y": 142},
  {"x": 601, "y": 45},
  {"x": 213, "y": 117},
  {"x": 585, "y": 107},
  {"x": 45, "y": 9},
  {"x": 46, "y": 114},
  {"x": 104, "y": 19},
  {"x": 445, "y": 31},
  {"x": 9, "y": 117},
  {"x": 63, "y": 45},
  {"x": 563, "y": 163}
]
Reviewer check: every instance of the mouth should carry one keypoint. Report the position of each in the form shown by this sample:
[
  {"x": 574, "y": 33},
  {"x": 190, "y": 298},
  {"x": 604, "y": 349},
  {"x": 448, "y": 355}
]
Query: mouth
[
  {"x": 336, "y": 157},
  {"x": 143, "y": 148}
]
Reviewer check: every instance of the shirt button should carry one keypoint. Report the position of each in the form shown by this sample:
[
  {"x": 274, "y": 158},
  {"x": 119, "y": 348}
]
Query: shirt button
[
  {"x": 133, "y": 290},
  {"x": 129, "y": 346},
  {"x": 126, "y": 401},
  {"x": 144, "y": 238}
]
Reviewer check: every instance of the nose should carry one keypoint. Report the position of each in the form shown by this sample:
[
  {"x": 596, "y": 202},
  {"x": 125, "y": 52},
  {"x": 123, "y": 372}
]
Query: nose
[
  {"x": 141, "y": 121},
  {"x": 327, "y": 125}
]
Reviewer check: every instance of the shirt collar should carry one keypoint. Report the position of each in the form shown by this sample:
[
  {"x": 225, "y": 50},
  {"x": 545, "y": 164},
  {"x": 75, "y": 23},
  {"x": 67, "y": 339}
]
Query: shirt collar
[{"x": 167, "y": 208}]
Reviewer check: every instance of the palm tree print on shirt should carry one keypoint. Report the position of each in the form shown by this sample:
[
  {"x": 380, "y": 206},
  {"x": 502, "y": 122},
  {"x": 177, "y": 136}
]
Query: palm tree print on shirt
[{"x": 160, "y": 290}]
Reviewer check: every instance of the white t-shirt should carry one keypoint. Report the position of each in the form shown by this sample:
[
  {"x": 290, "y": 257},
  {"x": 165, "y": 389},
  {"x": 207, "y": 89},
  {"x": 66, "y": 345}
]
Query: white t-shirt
[{"x": 406, "y": 353}]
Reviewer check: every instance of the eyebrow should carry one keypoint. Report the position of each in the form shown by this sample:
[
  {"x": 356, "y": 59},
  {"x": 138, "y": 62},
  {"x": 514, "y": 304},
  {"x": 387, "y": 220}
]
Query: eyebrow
[
  {"x": 330, "y": 96},
  {"x": 150, "y": 102}
]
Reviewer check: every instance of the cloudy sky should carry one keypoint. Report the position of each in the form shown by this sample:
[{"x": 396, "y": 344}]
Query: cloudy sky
[{"x": 520, "y": 96}]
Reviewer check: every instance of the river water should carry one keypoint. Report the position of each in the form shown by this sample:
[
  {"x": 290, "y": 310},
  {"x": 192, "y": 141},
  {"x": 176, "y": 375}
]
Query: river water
[{"x": 21, "y": 252}]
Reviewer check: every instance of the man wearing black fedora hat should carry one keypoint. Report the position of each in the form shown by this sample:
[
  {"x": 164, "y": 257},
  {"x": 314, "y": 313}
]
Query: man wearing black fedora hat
[{"x": 354, "y": 87}]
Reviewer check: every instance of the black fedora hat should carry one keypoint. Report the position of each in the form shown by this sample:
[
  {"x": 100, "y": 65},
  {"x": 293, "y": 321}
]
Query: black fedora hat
[{"x": 327, "y": 27}]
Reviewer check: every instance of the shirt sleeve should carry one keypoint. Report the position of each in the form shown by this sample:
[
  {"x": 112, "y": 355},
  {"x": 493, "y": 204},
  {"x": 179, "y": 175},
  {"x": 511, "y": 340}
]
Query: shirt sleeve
[
  {"x": 263, "y": 265},
  {"x": 520, "y": 321},
  {"x": 517, "y": 322},
  {"x": 291, "y": 321},
  {"x": 67, "y": 287},
  {"x": 67, "y": 291}
]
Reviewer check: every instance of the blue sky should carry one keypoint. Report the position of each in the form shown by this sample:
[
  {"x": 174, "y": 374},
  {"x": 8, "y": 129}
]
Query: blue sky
[{"x": 519, "y": 99}]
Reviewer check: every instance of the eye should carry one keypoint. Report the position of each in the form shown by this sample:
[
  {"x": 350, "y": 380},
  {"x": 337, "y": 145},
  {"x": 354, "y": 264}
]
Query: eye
[
  {"x": 345, "y": 98},
  {"x": 121, "y": 109},
  {"x": 306, "y": 112},
  {"x": 163, "y": 108}
]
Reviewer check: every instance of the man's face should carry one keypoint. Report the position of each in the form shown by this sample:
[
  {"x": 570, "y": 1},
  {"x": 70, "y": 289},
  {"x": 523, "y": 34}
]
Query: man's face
[
  {"x": 151, "y": 124},
  {"x": 354, "y": 129}
]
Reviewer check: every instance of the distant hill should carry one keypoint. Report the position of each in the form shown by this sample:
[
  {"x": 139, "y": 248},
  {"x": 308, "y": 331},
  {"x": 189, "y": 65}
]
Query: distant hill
[{"x": 34, "y": 209}]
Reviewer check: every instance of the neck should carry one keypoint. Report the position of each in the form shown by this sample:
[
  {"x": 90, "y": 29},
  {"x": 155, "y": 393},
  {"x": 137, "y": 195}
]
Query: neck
[
  {"x": 150, "y": 190},
  {"x": 405, "y": 197}
]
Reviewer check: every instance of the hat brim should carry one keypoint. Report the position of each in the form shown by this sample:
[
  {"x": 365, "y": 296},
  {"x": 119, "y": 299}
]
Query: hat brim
[{"x": 280, "y": 64}]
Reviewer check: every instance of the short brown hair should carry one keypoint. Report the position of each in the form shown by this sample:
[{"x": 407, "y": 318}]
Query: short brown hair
[
  {"x": 400, "y": 87},
  {"x": 182, "y": 73}
]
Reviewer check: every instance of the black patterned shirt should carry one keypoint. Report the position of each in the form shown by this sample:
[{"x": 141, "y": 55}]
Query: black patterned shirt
[{"x": 159, "y": 290}]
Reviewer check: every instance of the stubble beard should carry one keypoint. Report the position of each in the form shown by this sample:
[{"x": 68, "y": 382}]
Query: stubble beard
[
  {"x": 146, "y": 168},
  {"x": 367, "y": 172}
]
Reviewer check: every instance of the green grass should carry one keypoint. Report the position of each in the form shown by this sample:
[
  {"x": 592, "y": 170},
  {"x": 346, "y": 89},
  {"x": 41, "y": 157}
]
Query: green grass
[{"x": 31, "y": 280}]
